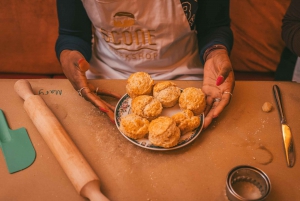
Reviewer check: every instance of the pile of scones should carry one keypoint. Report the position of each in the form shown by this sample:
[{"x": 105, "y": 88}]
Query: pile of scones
[{"x": 149, "y": 100}]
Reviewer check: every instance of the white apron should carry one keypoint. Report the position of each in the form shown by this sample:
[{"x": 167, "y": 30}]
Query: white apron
[{"x": 139, "y": 35}]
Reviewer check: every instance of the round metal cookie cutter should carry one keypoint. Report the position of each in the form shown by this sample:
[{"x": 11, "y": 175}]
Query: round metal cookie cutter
[{"x": 247, "y": 183}]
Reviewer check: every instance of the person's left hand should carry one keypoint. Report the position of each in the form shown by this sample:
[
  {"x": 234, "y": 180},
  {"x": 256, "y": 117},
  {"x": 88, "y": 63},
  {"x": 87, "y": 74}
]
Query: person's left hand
[{"x": 218, "y": 84}]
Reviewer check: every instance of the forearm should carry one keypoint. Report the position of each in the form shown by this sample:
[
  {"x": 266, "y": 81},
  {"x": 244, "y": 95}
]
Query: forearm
[
  {"x": 213, "y": 25},
  {"x": 69, "y": 42},
  {"x": 291, "y": 27},
  {"x": 75, "y": 31}
]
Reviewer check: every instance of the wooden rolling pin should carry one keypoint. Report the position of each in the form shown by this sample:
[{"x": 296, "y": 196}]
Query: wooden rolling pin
[{"x": 75, "y": 166}]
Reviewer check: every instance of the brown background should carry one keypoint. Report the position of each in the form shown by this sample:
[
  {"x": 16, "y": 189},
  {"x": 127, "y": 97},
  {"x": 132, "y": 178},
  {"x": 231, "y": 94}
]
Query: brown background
[{"x": 29, "y": 29}]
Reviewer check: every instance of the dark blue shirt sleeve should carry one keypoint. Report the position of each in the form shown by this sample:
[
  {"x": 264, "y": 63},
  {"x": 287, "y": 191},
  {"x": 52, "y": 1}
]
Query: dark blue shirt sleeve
[
  {"x": 75, "y": 28},
  {"x": 291, "y": 27},
  {"x": 213, "y": 25}
]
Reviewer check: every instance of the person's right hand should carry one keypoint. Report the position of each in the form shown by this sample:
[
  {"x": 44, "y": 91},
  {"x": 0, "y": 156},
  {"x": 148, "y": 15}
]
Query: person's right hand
[
  {"x": 74, "y": 67},
  {"x": 218, "y": 84}
]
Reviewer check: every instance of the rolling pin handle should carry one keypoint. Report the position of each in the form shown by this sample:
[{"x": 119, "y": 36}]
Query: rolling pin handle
[
  {"x": 92, "y": 191},
  {"x": 23, "y": 89}
]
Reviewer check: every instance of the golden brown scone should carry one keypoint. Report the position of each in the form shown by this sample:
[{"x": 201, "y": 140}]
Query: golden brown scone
[
  {"x": 146, "y": 106},
  {"x": 186, "y": 121},
  {"x": 167, "y": 93},
  {"x": 134, "y": 126},
  {"x": 192, "y": 99},
  {"x": 163, "y": 132},
  {"x": 139, "y": 83}
]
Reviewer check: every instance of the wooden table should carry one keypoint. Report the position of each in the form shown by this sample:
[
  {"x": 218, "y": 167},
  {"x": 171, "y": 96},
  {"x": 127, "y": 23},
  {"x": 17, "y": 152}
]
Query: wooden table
[{"x": 242, "y": 135}]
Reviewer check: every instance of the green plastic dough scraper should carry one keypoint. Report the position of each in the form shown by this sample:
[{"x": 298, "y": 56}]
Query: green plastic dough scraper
[{"x": 16, "y": 146}]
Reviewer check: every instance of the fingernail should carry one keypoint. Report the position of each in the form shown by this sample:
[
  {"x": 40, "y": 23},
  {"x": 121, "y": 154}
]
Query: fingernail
[
  {"x": 220, "y": 80},
  {"x": 103, "y": 110},
  {"x": 80, "y": 60}
]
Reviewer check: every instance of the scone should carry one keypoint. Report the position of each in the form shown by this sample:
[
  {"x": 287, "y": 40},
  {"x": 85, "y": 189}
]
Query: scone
[
  {"x": 192, "y": 99},
  {"x": 186, "y": 121},
  {"x": 146, "y": 106},
  {"x": 167, "y": 93},
  {"x": 134, "y": 126},
  {"x": 163, "y": 132},
  {"x": 139, "y": 83}
]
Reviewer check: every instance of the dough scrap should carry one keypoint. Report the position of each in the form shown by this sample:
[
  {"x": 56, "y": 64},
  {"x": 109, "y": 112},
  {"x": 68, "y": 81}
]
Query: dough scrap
[{"x": 267, "y": 107}]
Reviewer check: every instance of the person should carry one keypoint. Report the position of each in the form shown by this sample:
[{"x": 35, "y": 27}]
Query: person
[
  {"x": 111, "y": 39},
  {"x": 290, "y": 32}
]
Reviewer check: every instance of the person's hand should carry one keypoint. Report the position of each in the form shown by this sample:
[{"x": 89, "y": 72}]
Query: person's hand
[
  {"x": 218, "y": 84},
  {"x": 74, "y": 67}
]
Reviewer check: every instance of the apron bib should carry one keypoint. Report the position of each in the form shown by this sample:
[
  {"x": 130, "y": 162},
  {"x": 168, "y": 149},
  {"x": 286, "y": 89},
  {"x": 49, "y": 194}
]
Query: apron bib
[{"x": 139, "y": 35}]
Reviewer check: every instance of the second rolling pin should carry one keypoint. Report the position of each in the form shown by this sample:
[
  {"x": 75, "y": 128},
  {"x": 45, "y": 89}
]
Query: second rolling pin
[{"x": 75, "y": 166}]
